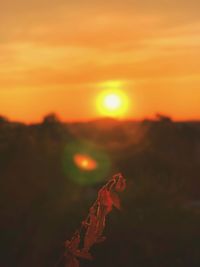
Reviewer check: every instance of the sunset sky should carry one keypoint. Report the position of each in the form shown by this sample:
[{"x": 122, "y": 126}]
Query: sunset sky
[{"x": 57, "y": 56}]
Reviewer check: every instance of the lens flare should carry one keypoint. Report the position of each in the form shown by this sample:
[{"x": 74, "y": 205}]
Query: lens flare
[{"x": 85, "y": 162}]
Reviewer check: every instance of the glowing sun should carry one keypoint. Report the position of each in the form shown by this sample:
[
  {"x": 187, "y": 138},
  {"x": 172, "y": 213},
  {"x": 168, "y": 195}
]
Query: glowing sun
[{"x": 112, "y": 103}]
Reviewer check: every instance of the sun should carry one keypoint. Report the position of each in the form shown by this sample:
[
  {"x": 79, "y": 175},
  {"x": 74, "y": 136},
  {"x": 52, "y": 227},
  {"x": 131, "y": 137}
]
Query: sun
[{"x": 112, "y": 103}]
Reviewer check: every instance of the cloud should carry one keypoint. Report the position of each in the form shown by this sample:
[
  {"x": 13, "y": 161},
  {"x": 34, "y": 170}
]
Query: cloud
[{"x": 62, "y": 43}]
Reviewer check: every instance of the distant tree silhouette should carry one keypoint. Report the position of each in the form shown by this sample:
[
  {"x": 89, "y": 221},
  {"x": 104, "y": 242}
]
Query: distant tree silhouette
[
  {"x": 3, "y": 119},
  {"x": 163, "y": 118},
  {"x": 51, "y": 118}
]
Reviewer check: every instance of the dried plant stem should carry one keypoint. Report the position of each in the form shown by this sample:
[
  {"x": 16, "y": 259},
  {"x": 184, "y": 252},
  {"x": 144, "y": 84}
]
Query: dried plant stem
[{"x": 92, "y": 228}]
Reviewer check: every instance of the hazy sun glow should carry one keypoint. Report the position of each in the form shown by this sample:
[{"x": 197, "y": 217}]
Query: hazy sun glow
[
  {"x": 112, "y": 101},
  {"x": 59, "y": 57},
  {"x": 85, "y": 162}
]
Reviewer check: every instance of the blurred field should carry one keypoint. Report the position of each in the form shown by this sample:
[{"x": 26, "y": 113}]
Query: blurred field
[{"x": 41, "y": 205}]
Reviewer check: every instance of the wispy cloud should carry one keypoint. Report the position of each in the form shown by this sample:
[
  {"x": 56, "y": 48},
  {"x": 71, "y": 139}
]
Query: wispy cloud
[{"x": 78, "y": 43}]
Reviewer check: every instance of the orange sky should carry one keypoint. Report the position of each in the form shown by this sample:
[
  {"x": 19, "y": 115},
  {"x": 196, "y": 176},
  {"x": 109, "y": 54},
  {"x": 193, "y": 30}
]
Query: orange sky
[{"x": 54, "y": 55}]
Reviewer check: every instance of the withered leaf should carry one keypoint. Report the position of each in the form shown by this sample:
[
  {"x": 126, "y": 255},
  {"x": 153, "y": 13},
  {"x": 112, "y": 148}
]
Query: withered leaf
[
  {"x": 121, "y": 185},
  {"x": 72, "y": 262},
  {"x": 90, "y": 236},
  {"x": 115, "y": 200}
]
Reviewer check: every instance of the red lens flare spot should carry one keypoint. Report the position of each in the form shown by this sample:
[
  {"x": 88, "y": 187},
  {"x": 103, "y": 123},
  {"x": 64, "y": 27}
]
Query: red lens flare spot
[{"x": 85, "y": 162}]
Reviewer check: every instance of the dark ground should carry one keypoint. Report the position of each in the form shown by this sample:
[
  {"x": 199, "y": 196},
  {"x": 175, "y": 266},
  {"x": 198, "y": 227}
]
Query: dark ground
[{"x": 41, "y": 205}]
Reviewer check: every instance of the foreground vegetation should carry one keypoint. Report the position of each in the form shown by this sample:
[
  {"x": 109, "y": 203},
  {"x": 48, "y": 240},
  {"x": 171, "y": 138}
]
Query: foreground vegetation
[{"x": 41, "y": 204}]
